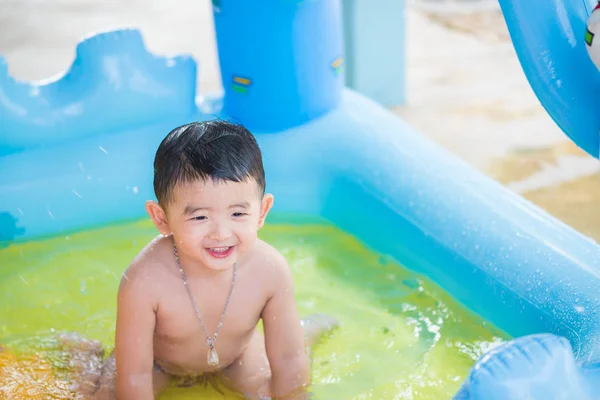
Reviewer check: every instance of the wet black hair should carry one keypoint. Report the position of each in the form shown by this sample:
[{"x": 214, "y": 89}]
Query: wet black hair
[{"x": 216, "y": 150}]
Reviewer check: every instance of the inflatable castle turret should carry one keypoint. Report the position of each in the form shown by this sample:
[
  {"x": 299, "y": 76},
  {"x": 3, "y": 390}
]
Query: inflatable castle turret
[{"x": 281, "y": 61}]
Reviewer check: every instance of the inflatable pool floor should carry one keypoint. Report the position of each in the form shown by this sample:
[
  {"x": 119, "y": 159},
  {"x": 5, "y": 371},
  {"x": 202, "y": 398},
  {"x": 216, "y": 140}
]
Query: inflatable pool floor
[{"x": 74, "y": 154}]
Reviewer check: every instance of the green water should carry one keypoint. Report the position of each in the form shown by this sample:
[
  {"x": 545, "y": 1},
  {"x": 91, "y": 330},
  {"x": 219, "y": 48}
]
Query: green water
[{"x": 402, "y": 337}]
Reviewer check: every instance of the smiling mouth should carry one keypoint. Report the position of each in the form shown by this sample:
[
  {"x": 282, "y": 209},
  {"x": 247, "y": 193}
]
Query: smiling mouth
[{"x": 220, "y": 252}]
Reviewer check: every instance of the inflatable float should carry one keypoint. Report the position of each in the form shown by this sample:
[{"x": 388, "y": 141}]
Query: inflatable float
[{"x": 74, "y": 154}]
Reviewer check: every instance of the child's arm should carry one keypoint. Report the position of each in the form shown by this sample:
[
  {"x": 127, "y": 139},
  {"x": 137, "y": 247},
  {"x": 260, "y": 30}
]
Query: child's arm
[
  {"x": 134, "y": 336},
  {"x": 284, "y": 339}
]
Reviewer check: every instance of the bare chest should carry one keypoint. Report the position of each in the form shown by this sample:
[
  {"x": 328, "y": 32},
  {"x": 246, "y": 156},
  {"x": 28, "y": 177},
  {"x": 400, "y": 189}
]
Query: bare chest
[{"x": 182, "y": 330}]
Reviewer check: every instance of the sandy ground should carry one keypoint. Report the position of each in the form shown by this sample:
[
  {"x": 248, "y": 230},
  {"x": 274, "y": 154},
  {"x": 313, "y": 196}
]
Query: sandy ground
[{"x": 466, "y": 89}]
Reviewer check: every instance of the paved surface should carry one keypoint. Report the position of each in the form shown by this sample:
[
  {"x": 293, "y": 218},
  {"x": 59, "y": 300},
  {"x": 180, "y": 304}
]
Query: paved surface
[{"x": 466, "y": 89}]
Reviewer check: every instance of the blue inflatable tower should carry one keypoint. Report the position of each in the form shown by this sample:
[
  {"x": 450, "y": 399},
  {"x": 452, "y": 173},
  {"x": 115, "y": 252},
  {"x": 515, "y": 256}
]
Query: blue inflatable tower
[{"x": 281, "y": 60}]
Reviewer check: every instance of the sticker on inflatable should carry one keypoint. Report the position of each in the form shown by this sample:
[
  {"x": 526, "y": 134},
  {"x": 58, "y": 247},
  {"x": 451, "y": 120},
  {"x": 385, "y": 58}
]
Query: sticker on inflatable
[
  {"x": 240, "y": 84},
  {"x": 589, "y": 37},
  {"x": 337, "y": 65}
]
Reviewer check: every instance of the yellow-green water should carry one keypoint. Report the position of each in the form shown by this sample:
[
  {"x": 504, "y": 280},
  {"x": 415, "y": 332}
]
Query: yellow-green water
[{"x": 401, "y": 337}]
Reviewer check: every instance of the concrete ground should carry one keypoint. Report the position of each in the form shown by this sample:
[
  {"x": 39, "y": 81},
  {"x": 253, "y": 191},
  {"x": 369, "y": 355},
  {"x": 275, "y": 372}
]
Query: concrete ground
[
  {"x": 480, "y": 107},
  {"x": 466, "y": 89}
]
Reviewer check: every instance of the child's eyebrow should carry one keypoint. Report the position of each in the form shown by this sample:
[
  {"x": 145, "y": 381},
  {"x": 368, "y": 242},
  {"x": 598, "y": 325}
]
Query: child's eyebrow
[
  {"x": 243, "y": 204},
  {"x": 192, "y": 209}
]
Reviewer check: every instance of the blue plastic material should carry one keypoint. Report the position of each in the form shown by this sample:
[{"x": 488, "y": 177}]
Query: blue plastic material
[
  {"x": 107, "y": 66},
  {"x": 548, "y": 36},
  {"x": 284, "y": 70},
  {"x": 357, "y": 165},
  {"x": 529, "y": 368}
]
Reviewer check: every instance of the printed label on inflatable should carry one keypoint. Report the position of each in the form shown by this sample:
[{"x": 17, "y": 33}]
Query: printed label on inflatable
[{"x": 240, "y": 84}]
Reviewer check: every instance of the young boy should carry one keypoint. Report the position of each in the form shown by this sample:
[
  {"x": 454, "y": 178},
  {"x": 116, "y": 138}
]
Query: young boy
[{"x": 189, "y": 303}]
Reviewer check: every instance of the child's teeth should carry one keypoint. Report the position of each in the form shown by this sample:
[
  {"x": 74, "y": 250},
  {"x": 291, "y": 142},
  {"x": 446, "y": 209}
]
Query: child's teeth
[{"x": 219, "y": 249}]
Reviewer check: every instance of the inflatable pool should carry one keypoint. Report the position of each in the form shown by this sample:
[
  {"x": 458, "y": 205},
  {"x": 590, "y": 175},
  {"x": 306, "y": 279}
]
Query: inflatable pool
[{"x": 75, "y": 155}]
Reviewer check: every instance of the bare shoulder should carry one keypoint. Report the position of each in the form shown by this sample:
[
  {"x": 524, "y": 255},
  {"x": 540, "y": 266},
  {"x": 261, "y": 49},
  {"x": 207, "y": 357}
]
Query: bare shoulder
[
  {"x": 148, "y": 270},
  {"x": 270, "y": 265}
]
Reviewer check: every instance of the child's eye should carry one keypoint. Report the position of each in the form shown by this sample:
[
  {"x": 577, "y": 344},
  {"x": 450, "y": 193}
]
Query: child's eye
[
  {"x": 199, "y": 218},
  {"x": 239, "y": 214}
]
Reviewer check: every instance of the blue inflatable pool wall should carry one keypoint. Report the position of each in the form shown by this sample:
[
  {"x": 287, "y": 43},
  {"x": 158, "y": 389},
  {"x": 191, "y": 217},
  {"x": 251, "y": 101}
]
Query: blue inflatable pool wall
[{"x": 77, "y": 153}]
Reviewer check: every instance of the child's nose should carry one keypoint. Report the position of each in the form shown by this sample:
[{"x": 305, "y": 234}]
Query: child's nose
[{"x": 220, "y": 231}]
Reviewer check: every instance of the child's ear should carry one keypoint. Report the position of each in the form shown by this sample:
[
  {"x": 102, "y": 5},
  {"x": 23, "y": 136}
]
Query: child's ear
[
  {"x": 158, "y": 216},
  {"x": 265, "y": 207}
]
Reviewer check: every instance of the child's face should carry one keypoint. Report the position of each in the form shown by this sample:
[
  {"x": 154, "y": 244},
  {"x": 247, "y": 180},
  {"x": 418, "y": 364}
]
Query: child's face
[{"x": 213, "y": 223}]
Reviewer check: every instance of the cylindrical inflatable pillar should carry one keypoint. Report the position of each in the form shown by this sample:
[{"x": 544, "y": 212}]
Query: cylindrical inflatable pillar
[
  {"x": 281, "y": 60},
  {"x": 374, "y": 36}
]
